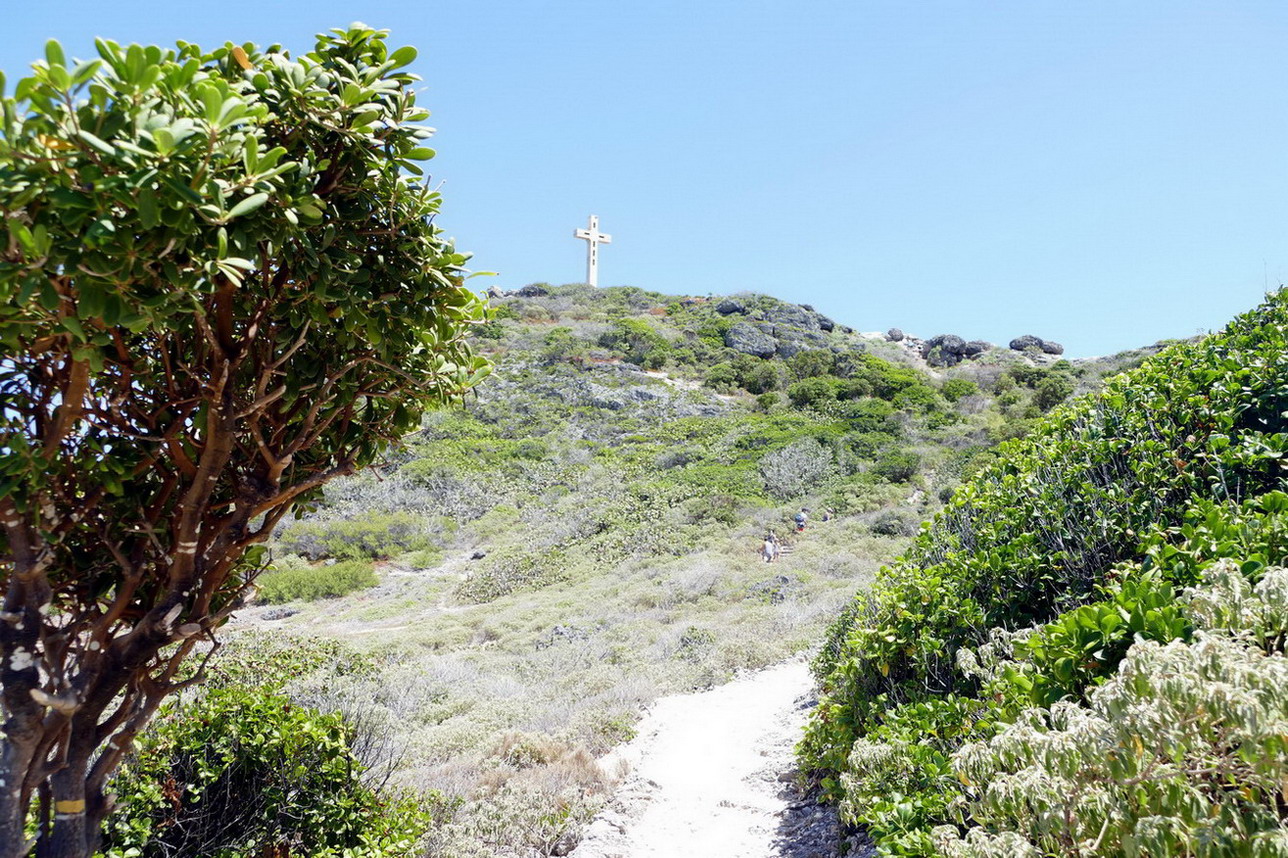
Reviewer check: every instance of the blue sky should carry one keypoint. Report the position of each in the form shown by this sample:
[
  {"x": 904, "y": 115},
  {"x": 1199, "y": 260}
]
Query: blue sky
[{"x": 1103, "y": 174}]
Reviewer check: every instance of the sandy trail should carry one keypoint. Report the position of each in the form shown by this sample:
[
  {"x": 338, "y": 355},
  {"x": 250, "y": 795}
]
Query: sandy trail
[{"x": 709, "y": 777}]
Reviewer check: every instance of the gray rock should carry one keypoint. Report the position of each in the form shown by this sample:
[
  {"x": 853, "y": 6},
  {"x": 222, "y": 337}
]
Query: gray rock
[
  {"x": 975, "y": 348},
  {"x": 729, "y": 306},
  {"x": 533, "y": 290},
  {"x": 494, "y": 291},
  {"x": 1028, "y": 341},
  {"x": 846, "y": 329},
  {"x": 790, "y": 315},
  {"x": 824, "y": 323},
  {"x": 795, "y": 342},
  {"x": 894, "y": 335},
  {"x": 944, "y": 350},
  {"x": 747, "y": 338},
  {"x": 1052, "y": 348}
]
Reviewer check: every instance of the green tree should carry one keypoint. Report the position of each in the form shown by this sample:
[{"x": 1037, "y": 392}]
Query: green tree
[{"x": 219, "y": 289}]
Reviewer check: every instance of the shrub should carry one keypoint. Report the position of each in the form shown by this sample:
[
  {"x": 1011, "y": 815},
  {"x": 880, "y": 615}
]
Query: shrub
[
  {"x": 795, "y": 469},
  {"x": 812, "y": 392},
  {"x": 244, "y": 771},
  {"x": 1052, "y": 390},
  {"x": 310, "y": 583},
  {"x": 954, "y": 389},
  {"x": 721, "y": 377},
  {"x": 897, "y": 466},
  {"x": 1182, "y": 753},
  {"x": 918, "y": 398},
  {"x": 760, "y": 376},
  {"x": 373, "y": 536},
  {"x": 811, "y": 363},
  {"x": 1084, "y": 531}
]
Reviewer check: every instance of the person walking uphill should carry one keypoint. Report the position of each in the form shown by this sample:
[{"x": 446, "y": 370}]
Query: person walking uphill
[{"x": 801, "y": 518}]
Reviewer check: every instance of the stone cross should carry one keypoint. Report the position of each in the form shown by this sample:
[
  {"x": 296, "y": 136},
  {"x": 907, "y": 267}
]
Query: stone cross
[{"x": 593, "y": 237}]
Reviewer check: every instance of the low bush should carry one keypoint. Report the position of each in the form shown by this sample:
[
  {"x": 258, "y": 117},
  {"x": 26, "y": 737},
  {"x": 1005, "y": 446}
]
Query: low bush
[
  {"x": 308, "y": 583},
  {"x": 246, "y": 772},
  {"x": 374, "y": 536}
]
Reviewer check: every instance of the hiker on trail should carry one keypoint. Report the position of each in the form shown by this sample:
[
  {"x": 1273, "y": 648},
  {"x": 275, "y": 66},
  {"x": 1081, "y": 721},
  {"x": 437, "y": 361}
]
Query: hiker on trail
[
  {"x": 829, "y": 514},
  {"x": 770, "y": 549},
  {"x": 800, "y": 519}
]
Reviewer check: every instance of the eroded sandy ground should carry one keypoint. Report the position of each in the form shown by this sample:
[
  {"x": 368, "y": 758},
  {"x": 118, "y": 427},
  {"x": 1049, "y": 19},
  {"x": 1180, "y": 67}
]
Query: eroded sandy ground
[{"x": 710, "y": 774}]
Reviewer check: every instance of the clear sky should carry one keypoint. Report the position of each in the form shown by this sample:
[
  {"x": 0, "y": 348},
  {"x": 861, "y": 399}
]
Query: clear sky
[{"x": 1097, "y": 172}]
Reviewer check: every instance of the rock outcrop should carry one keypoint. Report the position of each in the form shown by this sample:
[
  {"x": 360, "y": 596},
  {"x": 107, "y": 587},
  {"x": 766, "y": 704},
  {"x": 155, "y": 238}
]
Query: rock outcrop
[
  {"x": 745, "y": 337},
  {"x": 944, "y": 350},
  {"x": 1028, "y": 341}
]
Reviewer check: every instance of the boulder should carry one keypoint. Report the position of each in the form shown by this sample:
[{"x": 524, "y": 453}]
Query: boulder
[
  {"x": 1052, "y": 348},
  {"x": 729, "y": 306},
  {"x": 494, "y": 291},
  {"x": 533, "y": 290},
  {"x": 747, "y": 338},
  {"x": 824, "y": 323},
  {"x": 975, "y": 348},
  {"x": 795, "y": 342},
  {"x": 1028, "y": 341},
  {"x": 895, "y": 335},
  {"x": 944, "y": 350},
  {"x": 792, "y": 316}
]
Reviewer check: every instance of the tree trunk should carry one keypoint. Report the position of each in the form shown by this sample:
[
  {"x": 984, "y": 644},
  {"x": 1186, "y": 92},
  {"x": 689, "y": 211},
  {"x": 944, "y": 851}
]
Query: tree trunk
[
  {"x": 69, "y": 837},
  {"x": 15, "y": 757}
]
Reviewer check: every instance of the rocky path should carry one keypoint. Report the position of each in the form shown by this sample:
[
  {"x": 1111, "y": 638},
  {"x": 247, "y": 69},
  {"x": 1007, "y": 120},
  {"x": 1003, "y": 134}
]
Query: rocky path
[{"x": 710, "y": 774}]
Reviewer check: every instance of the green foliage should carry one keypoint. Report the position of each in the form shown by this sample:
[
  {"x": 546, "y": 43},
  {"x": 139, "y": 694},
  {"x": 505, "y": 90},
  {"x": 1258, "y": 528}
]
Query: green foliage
[
  {"x": 812, "y": 392},
  {"x": 244, "y": 772},
  {"x": 897, "y": 466},
  {"x": 371, "y": 536},
  {"x": 309, "y": 583},
  {"x": 1052, "y": 390},
  {"x": 1182, "y": 753},
  {"x": 221, "y": 287},
  {"x": 811, "y": 363},
  {"x": 954, "y": 389},
  {"x": 635, "y": 339},
  {"x": 1172, "y": 467},
  {"x": 919, "y": 398}
]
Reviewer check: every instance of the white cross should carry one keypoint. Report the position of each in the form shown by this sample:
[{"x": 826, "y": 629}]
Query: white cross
[{"x": 592, "y": 237}]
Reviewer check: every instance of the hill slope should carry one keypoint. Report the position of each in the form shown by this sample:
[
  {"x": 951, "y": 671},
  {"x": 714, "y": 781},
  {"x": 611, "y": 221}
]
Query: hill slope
[{"x": 531, "y": 570}]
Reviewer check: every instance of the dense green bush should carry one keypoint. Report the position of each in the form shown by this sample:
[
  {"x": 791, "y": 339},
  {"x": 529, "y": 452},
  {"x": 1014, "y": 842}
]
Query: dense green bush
[
  {"x": 812, "y": 391},
  {"x": 897, "y": 466},
  {"x": 308, "y": 582},
  {"x": 373, "y": 536},
  {"x": 954, "y": 389},
  {"x": 1084, "y": 531},
  {"x": 245, "y": 772}
]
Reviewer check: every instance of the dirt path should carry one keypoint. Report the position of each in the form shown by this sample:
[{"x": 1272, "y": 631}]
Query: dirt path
[{"x": 710, "y": 775}]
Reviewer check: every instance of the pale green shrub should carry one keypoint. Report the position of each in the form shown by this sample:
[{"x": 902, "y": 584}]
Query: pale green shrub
[
  {"x": 1184, "y": 752},
  {"x": 795, "y": 469}
]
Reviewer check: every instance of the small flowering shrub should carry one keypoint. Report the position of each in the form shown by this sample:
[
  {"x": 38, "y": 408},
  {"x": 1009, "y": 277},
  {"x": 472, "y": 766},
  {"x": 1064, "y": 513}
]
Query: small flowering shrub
[{"x": 1184, "y": 752}]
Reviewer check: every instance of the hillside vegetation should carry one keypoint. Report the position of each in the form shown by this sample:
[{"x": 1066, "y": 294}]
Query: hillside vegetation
[
  {"x": 496, "y": 605},
  {"x": 1083, "y": 652},
  {"x": 467, "y": 626}
]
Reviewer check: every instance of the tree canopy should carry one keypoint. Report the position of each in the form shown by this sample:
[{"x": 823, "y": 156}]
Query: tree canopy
[{"x": 221, "y": 286}]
